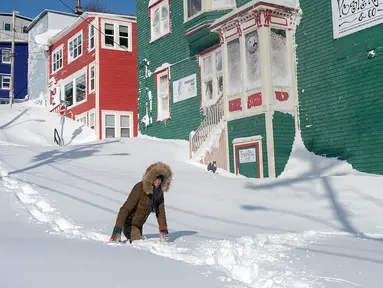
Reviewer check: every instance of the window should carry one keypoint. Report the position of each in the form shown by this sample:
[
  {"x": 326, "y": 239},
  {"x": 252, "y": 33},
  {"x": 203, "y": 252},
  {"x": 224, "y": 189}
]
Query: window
[
  {"x": 196, "y": 7},
  {"x": 25, "y": 29},
  {"x": 117, "y": 124},
  {"x": 5, "y": 82},
  {"x": 75, "y": 47},
  {"x": 125, "y": 125},
  {"x": 117, "y": 36},
  {"x": 110, "y": 131},
  {"x": 92, "y": 120},
  {"x": 7, "y": 27},
  {"x": 81, "y": 119},
  {"x": 6, "y": 56},
  {"x": 159, "y": 20},
  {"x": 212, "y": 77},
  {"x": 75, "y": 90},
  {"x": 234, "y": 67},
  {"x": 279, "y": 57},
  {"x": 92, "y": 83},
  {"x": 253, "y": 61},
  {"x": 163, "y": 102},
  {"x": 57, "y": 60},
  {"x": 91, "y": 43}
]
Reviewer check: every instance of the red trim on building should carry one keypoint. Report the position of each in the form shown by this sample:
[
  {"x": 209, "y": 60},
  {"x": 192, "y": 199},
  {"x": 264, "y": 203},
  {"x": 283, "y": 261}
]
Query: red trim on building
[{"x": 251, "y": 144}]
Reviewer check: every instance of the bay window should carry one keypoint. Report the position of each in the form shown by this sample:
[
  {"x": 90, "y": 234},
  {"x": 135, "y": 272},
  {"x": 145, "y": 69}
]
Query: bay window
[
  {"x": 253, "y": 61},
  {"x": 279, "y": 57},
  {"x": 159, "y": 20},
  {"x": 234, "y": 67}
]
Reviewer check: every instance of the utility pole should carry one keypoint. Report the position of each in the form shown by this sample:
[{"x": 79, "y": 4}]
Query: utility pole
[{"x": 12, "y": 85}]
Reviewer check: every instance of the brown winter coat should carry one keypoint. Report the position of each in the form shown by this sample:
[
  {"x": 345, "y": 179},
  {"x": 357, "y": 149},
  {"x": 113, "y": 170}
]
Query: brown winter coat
[{"x": 136, "y": 209}]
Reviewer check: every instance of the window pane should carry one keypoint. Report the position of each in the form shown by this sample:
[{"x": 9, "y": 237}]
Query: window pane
[
  {"x": 109, "y": 29},
  {"x": 253, "y": 64},
  {"x": 218, "y": 60},
  {"x": 109, "y": 120},
  {"x": 91, "y": 120},
  {"x": 125, "y": 121},
  {"x": 124, "y": 31},
  {"x": 125, "y": 132},
  {"x": 207, "y": 64},
  {"x": 124, "y": 42},
  {"x": 6, "y": 55},
  {"x": 69, "y": 93},
  {"x": 109, "y": 133},
  {"x": 234, "y": 67},
  {"x": 156, "y": 23},
  {"x": 109, "y": 34},
  {"x": 7, "y": 27},
  {"x": 80, "y": 88},
  {"x": 194, "y": 6},
  {"x": 279, "y": 58},
  {"x": 209, "y": 90}
]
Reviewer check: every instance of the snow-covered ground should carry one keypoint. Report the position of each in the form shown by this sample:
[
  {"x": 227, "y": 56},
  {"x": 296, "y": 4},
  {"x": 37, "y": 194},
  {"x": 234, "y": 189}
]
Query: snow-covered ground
[{"x": 318, "y": 225}]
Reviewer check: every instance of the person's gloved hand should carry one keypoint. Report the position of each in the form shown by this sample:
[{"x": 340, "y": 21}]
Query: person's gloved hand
[
  {"x": 164, "y": 235},
  {"x": 116, "y": 236}
]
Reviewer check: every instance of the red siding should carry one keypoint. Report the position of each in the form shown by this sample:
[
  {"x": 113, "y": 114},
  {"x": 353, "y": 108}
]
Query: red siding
[
  {"x": 118, "y": 78},
  {"x": 69, "y": 68}
]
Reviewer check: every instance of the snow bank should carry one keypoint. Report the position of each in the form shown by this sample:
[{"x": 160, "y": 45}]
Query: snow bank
[{"x": 27, "y": 123}]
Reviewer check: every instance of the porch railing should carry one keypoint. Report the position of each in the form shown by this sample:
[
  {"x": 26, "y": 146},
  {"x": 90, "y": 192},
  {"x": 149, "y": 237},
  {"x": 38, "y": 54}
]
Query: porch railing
[{"x": 214, "y": 116}]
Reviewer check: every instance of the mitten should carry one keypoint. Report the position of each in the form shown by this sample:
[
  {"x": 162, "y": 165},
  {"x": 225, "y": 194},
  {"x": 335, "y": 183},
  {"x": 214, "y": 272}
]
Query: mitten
[{"x": 116, "y": 236}]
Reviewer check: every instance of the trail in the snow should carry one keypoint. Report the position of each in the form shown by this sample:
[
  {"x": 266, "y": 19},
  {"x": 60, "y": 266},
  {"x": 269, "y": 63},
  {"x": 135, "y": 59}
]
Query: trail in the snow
[{"x": 259, "y": 261}]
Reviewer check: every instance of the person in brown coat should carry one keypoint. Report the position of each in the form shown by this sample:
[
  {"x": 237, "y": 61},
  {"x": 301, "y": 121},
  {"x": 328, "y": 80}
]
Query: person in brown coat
[{"x": 146, "y": 197}]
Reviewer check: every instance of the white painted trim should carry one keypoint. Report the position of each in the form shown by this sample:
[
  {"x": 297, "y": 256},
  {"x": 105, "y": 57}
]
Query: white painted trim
[
  {"x": 70, "y": 59},
  {"x": 117, "y": 126},
  {"x": 116, "y": 25},
  {"x": 90, "y": 66},
  {"x": 97, "y": 79},
  {"x": 206, "y": 7},
  {"x": 94, "y": 36},
  {"x": 2, "y": 56},
  {"x": 90, "y": 112},
  {"x": 158, "y": 76},
  {"x": 61, "y": 47},
  {"x": 72, "y": 78},
  {"x": 162, "y": 3},
  {"x": 239, "y": 143}
]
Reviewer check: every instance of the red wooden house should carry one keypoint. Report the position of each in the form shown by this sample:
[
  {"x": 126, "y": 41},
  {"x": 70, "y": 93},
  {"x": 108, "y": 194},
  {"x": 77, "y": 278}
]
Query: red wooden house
[{"x": 93, "y": 67}]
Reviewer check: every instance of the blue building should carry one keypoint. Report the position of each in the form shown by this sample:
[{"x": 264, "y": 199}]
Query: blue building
[{"x": 21, "y": 57}]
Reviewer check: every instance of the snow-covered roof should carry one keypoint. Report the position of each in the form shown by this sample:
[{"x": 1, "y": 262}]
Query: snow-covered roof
[
  {"x": 294, "y": 4},
  {"x": 45, "y": 39},
  {"x": 38, "y": 17}
]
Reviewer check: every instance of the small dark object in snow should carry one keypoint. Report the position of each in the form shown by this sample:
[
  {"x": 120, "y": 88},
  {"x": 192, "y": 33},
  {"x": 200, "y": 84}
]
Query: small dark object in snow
[{"x": 212, "y": 166}]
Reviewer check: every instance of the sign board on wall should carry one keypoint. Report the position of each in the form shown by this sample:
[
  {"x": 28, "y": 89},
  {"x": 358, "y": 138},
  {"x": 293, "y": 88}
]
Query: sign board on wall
[
  {"x": 247, "y": 155},
  {"x": 185, "y": 88},
  {"x": 350, "y": 16}
]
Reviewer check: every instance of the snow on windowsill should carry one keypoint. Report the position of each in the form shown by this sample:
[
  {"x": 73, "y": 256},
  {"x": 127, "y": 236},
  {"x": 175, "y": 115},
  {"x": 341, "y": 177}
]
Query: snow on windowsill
[{"x": 162, "y": 67}]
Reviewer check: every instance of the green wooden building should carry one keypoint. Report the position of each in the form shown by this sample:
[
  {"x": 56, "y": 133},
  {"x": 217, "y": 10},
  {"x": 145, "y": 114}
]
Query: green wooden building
[
  {"x": 340, "y": 80},
  {"x": 221, "y": 74}
]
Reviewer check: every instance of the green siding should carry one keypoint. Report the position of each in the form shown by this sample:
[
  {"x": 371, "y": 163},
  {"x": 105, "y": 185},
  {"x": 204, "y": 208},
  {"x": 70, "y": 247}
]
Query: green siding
[
  {"x": 245, "y": 127},
  {"x": 340, "y": 89},
  {"x": 172, "y": 49},
  {"x": 284, "y": 134},
  {"x": 242, "y": 2}
]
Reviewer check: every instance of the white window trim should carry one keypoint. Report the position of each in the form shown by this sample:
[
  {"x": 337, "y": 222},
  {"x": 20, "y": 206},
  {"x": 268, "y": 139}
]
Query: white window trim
[
  {"x": 214, "y": 75},
  {"x": 152, "y": 9},
  {"x": 82, "y": 115},
  {"x": 70, "y": 59},
  {"x": 2, "y": 57},
  {"x": 61, "y": 47},
  {"x": 5, "y": 76},
  {"x": 158, "y": 76},
  {"x": 116, "y": 35},
  {"x": 90, "y": 112},
  {"x": 207, "y": 5},
  {"x": 72, "y": 78},
  {"x": 117, "y": 126},
  {"x": 90, "y": 90},
  {"x": 91, "y": 24}
]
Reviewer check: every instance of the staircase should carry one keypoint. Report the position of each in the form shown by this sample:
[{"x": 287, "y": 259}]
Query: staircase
[{"x": 207, "y": 137}]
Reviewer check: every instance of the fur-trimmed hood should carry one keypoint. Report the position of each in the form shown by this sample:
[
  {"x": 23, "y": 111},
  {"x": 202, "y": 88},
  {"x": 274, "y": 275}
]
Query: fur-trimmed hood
[{"x": 152, "y": 172}]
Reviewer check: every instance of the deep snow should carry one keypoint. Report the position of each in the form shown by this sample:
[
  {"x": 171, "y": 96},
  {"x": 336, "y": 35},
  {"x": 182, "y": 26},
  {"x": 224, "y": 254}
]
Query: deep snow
[{"x": 225, "y": 231}]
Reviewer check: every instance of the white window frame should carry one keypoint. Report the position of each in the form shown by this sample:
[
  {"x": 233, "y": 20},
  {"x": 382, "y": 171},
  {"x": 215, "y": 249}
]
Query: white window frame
[
  {"x": 117, "y": 127},
  {"x": 92, "y": 25},
  {"x": 79, "y": 34},
  {"x": 56, "y": 51},
  {"x": 207, "y": 5},
  {"x": 166, "y": 73},
  {"x": 2, "y": 82},
  {"x": 81, "y": 116},
  {"x": 163, "y": 31},
  {"x": 116, "y": 35},
  {"x": 72, "y": 79},
  {"x": 213, "y": 76},
  {"x": 2, "y": 55},
  {"x": 91, "y": 90},
  {"x": 92, "y": 112}
]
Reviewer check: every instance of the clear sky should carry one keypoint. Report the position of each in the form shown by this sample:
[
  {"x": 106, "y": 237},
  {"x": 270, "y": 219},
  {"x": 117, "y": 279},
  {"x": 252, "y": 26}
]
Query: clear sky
[{"x": 31, "y": 8}]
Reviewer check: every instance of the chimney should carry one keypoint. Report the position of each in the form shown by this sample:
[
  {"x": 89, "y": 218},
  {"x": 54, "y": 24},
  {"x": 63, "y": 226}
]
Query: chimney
[{"x": 78, "y": 9}]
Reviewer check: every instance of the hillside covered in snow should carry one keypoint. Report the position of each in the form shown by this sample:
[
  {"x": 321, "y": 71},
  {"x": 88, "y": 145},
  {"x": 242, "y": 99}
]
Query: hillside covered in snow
[{"x": 317, "y": 225}]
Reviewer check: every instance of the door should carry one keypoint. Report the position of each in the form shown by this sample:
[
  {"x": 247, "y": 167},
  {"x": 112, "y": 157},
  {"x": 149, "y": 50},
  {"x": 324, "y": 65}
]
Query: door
[{"x": 247, "y": 159}]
